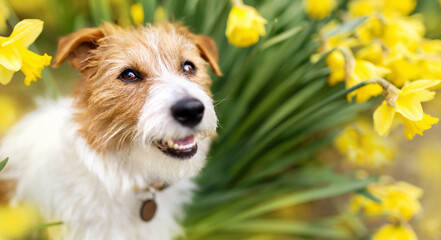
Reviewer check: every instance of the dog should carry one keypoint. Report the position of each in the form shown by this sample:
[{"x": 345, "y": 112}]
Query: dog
[{"x": 141, "y": 116}]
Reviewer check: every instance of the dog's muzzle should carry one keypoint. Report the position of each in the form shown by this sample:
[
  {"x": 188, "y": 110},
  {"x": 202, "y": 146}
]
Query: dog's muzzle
[{"x": 189, "y": 113}]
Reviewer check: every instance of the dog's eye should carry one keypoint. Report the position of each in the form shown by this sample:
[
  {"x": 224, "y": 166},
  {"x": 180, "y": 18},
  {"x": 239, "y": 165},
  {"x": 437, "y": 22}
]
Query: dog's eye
[
  {"x": 188, "y": 68},
  {"x": 129, "y": 75}
]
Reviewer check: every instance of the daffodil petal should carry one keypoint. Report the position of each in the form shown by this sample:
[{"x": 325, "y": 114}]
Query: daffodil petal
[
  {"x": 5, "y": 75},
  {"x": 25, "y": 32},
  {"x": 420, "y": 84},
  {"x": 10, "y": 58},
  {"x": 392, "y": 232},
  {"x": 424, "y": 95},
  {"x": 33, "y": 64},
  {"x": 417, "y": 127},
  {"x": 409, "y": 106},
  {"x": 383, "y": 117}
]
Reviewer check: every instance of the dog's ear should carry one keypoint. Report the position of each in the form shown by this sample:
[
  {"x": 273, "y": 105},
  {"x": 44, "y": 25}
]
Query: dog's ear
[
  {"x": 208, "y": 49},
  {"x": 76, "y": 46}
]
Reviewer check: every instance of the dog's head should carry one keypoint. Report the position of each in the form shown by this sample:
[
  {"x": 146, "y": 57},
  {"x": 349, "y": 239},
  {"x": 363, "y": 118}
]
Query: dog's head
[{"x": 144, "y": 87}]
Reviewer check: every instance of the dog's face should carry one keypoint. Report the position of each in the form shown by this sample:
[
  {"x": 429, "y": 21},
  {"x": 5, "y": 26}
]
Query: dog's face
[{"x": 145, "y": 87}]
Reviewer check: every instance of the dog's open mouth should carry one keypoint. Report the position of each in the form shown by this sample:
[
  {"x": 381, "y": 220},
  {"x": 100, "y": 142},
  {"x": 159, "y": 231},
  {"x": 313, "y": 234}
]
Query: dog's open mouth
[{"x": 178, "y": 148}]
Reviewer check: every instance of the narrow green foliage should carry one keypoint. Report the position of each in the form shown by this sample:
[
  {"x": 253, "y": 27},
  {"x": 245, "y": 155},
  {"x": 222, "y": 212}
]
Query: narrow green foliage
[
  {"x": 100, "y": 10},
  {"x": 3, "y": 163},
  {"x": 346, "y": 27},
  {"x": 43, "y": 226},
  {"x": 368, "y": 195}
]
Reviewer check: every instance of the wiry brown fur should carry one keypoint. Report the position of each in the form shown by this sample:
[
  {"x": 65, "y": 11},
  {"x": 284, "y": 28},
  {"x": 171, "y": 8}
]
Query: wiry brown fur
[{"x": 108, "y": 108}]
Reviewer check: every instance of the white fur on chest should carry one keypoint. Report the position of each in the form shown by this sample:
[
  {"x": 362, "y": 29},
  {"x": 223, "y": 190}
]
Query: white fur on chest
[{"x": 92, "y": 194}]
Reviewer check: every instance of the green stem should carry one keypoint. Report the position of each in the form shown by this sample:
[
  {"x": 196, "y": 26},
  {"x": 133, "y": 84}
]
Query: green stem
[{"x": 47, "y": 77}]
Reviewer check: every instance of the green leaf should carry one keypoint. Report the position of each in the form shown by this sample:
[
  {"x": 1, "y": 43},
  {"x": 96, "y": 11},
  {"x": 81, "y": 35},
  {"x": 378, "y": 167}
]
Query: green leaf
[
  {"x": 214, "y": 222},
  {"x": 100, "y": 11},
  {"x": 43, "y": 226},
  {"x": 281, "y": 37},
  {"x": 149, "y": 7},
  {"x": 289, "y": 227},
  {"x": 3, "y": 163},
  {"x": 368, "y": 195},
  {"x": 346, "y": 26}
]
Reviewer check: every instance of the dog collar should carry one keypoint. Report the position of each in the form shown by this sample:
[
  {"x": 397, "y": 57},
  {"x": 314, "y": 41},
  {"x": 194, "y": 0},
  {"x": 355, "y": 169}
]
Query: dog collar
[{"x": 147, "y": 196}]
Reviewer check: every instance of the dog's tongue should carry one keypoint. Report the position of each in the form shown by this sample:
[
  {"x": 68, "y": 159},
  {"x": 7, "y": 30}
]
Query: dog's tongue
[{"x": 184, "y": 141}]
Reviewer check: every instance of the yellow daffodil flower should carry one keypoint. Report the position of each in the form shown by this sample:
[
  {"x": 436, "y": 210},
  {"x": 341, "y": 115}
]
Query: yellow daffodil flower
[
  {"x": 319, "y": 9},
  {"x": 15, "y": 56},
  {"x": 370, "y": 30},
  {"x": 244, "y": 25},
  {"x": 137, "y": 13},
  {"x": 408, "y": 106},
  {"x": 395, "y": 232},
  {"x": 431, "y": 47},
  {"x": 403, "y": 64},
  {"x": 364, "y": 70},
  {"x": 160, "y": 14},
  {"x": 408, "y": 31},
  {"x": 360, "y": 71},
  {"x": 373, "y": 52},
  {"x": 430, "y": 67},
  {"x": 403, "y": 7},
  {"x": 336, "y": 62},
  {"x": 397, "y": 200},
  {"x": 361, "y": 146},
  {"x": 360, "y": 8},
  {"x": 14, "y": 221},
  {"x": 9, "y": 112}
]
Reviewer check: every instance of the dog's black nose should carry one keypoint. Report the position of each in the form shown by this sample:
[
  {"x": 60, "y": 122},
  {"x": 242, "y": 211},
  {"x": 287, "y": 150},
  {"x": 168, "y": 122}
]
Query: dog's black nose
[{"x": 188, "y": 112}]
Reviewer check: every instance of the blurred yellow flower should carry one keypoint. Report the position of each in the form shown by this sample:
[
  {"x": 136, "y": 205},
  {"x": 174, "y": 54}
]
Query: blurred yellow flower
[
  {"x": 360, "y": 8},
  {"x": 361, "y": 146},
  {"x": 408, "y": 105},
  {"x": 397, "y": 200},
  {"x": 403, "y": 64},
  {"x": 9, "y": 112},
  {"x": 244, "y": 25},
  {"x": 137, "y": 13},
  {"x": 395, "y": 232},
  {"x": 365, "y": 70},
  {"x": 160, "y": 14},
  {"x": 4, "y": 14},
  {"x": 319, "y": 9},
  {"x": 431, "y": 47},
  {"x": 370, "y": 30},
  {"x": 373, "y": 52},
  {"x": 15, "y": 56},
  {"x": 403, "y": 7},
  {"x": 14, "y": 221},
  {"x": 336, "y": 62},
  {"x": 405, "y": 30}
]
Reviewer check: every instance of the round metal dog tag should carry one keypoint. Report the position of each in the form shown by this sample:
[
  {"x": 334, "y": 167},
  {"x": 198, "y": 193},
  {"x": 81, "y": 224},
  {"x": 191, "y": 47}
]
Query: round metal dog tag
[{"x": 148, "y": 210}]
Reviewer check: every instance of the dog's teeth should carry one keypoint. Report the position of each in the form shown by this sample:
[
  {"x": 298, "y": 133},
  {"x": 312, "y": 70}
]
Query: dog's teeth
[{"x": 170, "y": 143}]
